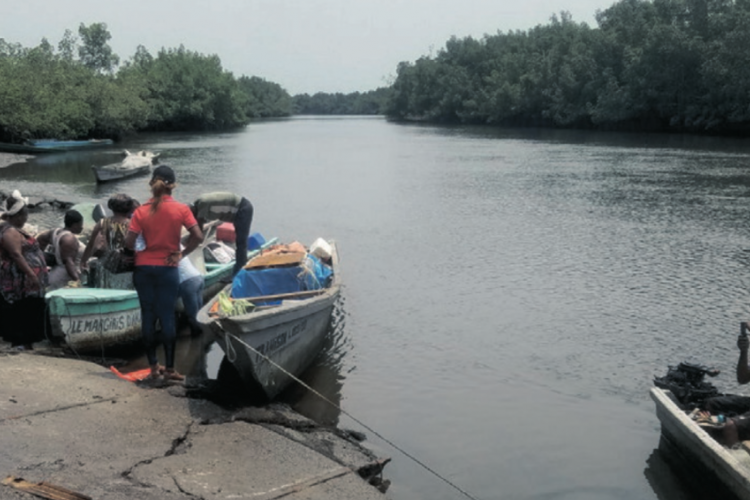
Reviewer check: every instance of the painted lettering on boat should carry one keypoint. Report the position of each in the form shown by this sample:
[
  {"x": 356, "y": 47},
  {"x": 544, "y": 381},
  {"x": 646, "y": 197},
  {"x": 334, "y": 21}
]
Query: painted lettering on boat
[
  {"x": 121, "y": 321},
  {"x": 281, "y": 339}
]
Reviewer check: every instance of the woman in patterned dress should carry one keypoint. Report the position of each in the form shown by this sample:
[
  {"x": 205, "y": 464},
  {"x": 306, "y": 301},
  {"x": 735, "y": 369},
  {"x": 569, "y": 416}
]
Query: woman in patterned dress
[{"x": 23, "y": 277}]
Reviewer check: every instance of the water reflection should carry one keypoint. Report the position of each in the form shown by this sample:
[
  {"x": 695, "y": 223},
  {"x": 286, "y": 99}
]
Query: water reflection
[
  {"x": 674, "y": 477},
  {"x": 324, "y": 376}
]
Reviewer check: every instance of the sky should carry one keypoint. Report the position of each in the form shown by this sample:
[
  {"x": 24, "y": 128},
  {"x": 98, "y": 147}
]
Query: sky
[{"x": 306, "y": 46}]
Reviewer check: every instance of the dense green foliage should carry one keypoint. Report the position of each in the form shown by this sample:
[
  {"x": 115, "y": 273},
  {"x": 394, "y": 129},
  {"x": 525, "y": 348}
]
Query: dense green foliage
[
  {"x": 671, "y": 65},
  {"x": 356, "y": 103},
  {"x": 78, "y": 91}
]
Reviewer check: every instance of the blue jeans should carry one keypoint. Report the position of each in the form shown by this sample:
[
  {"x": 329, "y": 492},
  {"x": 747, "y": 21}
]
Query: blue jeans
[
  {"x": 157, "y": 288},
  {"x": 191, "y": 293},
  {"x": 242, "y": 221}
]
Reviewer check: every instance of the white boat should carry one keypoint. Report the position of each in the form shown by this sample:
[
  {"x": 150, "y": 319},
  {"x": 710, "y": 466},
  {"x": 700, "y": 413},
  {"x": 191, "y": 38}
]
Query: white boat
[
  {"x": 730, "y": 466},
  {"x": 133, "y": 164},
  {"x": 271, "y": 342}
]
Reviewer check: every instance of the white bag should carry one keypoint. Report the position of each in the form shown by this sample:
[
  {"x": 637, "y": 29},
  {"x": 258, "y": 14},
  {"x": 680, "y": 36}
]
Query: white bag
[{"x": 321, "y": 249}]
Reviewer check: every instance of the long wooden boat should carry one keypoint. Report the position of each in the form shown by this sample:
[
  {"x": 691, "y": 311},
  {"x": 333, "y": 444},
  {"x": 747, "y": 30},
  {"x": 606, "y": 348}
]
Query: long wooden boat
[
  {"x": 92, "y": 319},
  {"x": 8, "y": 147},
  {"x": 69, "y": 145},
  {"x": 730, "y": 466},
  {"x": 270, "y": 342}
]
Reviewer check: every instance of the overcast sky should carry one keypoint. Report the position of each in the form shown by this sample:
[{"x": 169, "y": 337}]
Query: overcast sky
[{"x": 306, "y": 46}]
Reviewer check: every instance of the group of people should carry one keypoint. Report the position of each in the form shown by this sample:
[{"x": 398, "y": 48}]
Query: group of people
[{"x": 145, "y": 237}]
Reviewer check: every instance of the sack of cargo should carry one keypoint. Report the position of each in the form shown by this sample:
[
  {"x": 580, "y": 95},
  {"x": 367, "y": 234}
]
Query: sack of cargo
[
  {"x": 218, "y": 252},
  {"x": 321, "y": 249}
]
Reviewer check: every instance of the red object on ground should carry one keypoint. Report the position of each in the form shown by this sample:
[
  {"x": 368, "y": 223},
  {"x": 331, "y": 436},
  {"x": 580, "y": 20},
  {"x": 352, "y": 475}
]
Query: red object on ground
[
  {"x": 135, "y": 376},
  {"x": 225, "y": 232}
]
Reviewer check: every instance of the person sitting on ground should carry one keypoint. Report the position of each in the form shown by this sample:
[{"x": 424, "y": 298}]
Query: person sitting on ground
[
  {"x": 23, "y": 277},
  {"x": 113, "y": 231},
  {"x": 67, "y": 249},
  {"x": 227, "y": 207}
]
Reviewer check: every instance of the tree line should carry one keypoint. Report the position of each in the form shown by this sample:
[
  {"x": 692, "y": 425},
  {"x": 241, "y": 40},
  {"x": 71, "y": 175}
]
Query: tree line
[
  {"x": 649, "y": 65},
  {"x": 661, "y": 65},
  {"x": 78, "y": 90},
  {"x": 355, "y": 103}
]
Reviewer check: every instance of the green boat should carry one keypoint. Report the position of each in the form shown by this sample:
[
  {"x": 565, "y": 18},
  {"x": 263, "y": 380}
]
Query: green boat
[{"x": 95, "y": 319}]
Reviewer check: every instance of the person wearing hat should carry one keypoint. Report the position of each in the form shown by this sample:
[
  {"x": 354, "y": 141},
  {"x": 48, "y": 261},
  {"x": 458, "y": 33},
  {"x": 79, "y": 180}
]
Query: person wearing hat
[
  {"x": 23, "y": 277},
  {"x": 227, "y": 207},
  {"x": 156, "y": 277}
]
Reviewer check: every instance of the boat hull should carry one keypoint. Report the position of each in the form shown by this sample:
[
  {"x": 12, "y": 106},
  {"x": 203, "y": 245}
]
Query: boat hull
[
  {"x": 290, "y": 339},
  {"x": 273, "y": 343},
  {"x": 731, "y": 467},
  {"x": 92, "y": 319},
  {"x": 108, "y": 173},
  {"x": 70, "y": 145}
]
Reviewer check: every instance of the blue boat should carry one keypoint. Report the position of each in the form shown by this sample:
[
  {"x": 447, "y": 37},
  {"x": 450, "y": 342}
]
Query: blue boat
[
  {"x": 68, "y": 145},
  {"x": 27, "y": 149}
]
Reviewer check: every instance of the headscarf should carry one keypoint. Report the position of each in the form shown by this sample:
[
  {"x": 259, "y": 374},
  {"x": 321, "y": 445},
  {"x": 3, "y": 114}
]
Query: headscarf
[{"x": 19, "y": 203}]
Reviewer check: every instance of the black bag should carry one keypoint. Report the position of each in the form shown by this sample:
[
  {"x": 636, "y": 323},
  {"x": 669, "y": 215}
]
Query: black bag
[
  {"x": 686, "y": 383},
  {"x": 118, "y": 261},
  {"x": 50, "y": 259}
]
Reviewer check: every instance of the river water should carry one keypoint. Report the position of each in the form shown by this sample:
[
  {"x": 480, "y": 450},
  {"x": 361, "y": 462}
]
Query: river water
[{"x": 509, "y": 294}]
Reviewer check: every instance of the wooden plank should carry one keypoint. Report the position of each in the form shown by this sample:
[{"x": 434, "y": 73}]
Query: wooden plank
[
  {"x": 276, "y": 260},
  {"x": 44, "y": 489},
  {"x": 283, "y": 296}
]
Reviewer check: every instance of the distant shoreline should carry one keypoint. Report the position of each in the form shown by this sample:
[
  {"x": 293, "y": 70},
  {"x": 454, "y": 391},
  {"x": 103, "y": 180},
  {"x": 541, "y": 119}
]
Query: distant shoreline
[{"x": 7, "y": 159}]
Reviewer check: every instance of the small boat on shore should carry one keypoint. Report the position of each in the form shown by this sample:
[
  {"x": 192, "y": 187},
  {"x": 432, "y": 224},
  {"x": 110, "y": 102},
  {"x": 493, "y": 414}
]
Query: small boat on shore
[
  {"x": 132, "y": 165},
  {"x": 94, "y": 319},
  {"x": 281, "y": 333},
  {"x": 729, "y": 466}
]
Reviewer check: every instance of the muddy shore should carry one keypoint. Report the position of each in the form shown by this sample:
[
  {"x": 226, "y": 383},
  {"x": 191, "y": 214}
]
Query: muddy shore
[
  {"x": 7, "y": 159},
  {"x": 74, "y": 424}
]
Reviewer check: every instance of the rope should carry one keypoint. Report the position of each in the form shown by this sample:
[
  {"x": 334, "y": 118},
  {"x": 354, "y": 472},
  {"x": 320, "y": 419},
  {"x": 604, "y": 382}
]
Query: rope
[
  {"x": 321, "y": 396},
  {"x": 233, "y": 356}
]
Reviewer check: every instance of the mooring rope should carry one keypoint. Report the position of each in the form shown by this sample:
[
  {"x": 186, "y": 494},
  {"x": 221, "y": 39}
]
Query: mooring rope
[{"x": 227, "y": 336}]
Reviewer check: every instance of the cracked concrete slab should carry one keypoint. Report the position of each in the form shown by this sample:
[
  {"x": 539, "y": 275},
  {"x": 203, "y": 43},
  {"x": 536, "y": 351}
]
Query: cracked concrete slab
[{"x": 74, "y": 424}]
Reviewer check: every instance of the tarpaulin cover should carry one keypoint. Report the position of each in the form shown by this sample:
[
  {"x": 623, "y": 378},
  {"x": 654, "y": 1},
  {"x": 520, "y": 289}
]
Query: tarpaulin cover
[
  {"x": 251, "y": 283},
  {"x": 319, "y": 275}
]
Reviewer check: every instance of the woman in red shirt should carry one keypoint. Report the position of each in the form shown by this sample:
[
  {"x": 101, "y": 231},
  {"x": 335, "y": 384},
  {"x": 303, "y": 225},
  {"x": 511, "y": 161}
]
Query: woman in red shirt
[{"x": 156, "y": 277}]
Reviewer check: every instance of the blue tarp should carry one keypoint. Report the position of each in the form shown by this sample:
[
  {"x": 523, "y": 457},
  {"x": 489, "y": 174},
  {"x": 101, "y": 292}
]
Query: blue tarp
[{"x": 249, "y": 283}]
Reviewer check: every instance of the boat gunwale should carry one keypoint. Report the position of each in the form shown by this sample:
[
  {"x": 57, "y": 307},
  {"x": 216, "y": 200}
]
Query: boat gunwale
[
  {"x": 694, "y": 440},
  {"x": 287, "y": 307}
]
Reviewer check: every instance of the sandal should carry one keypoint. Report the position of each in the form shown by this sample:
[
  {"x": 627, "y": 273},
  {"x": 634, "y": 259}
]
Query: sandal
[
  {"x": 170, "y": 374},
  {"x": 705, "y": 419}
]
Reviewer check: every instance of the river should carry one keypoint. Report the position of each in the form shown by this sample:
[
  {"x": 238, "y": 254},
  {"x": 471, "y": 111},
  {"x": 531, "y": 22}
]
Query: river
[{"x": 509, "y": 294}]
